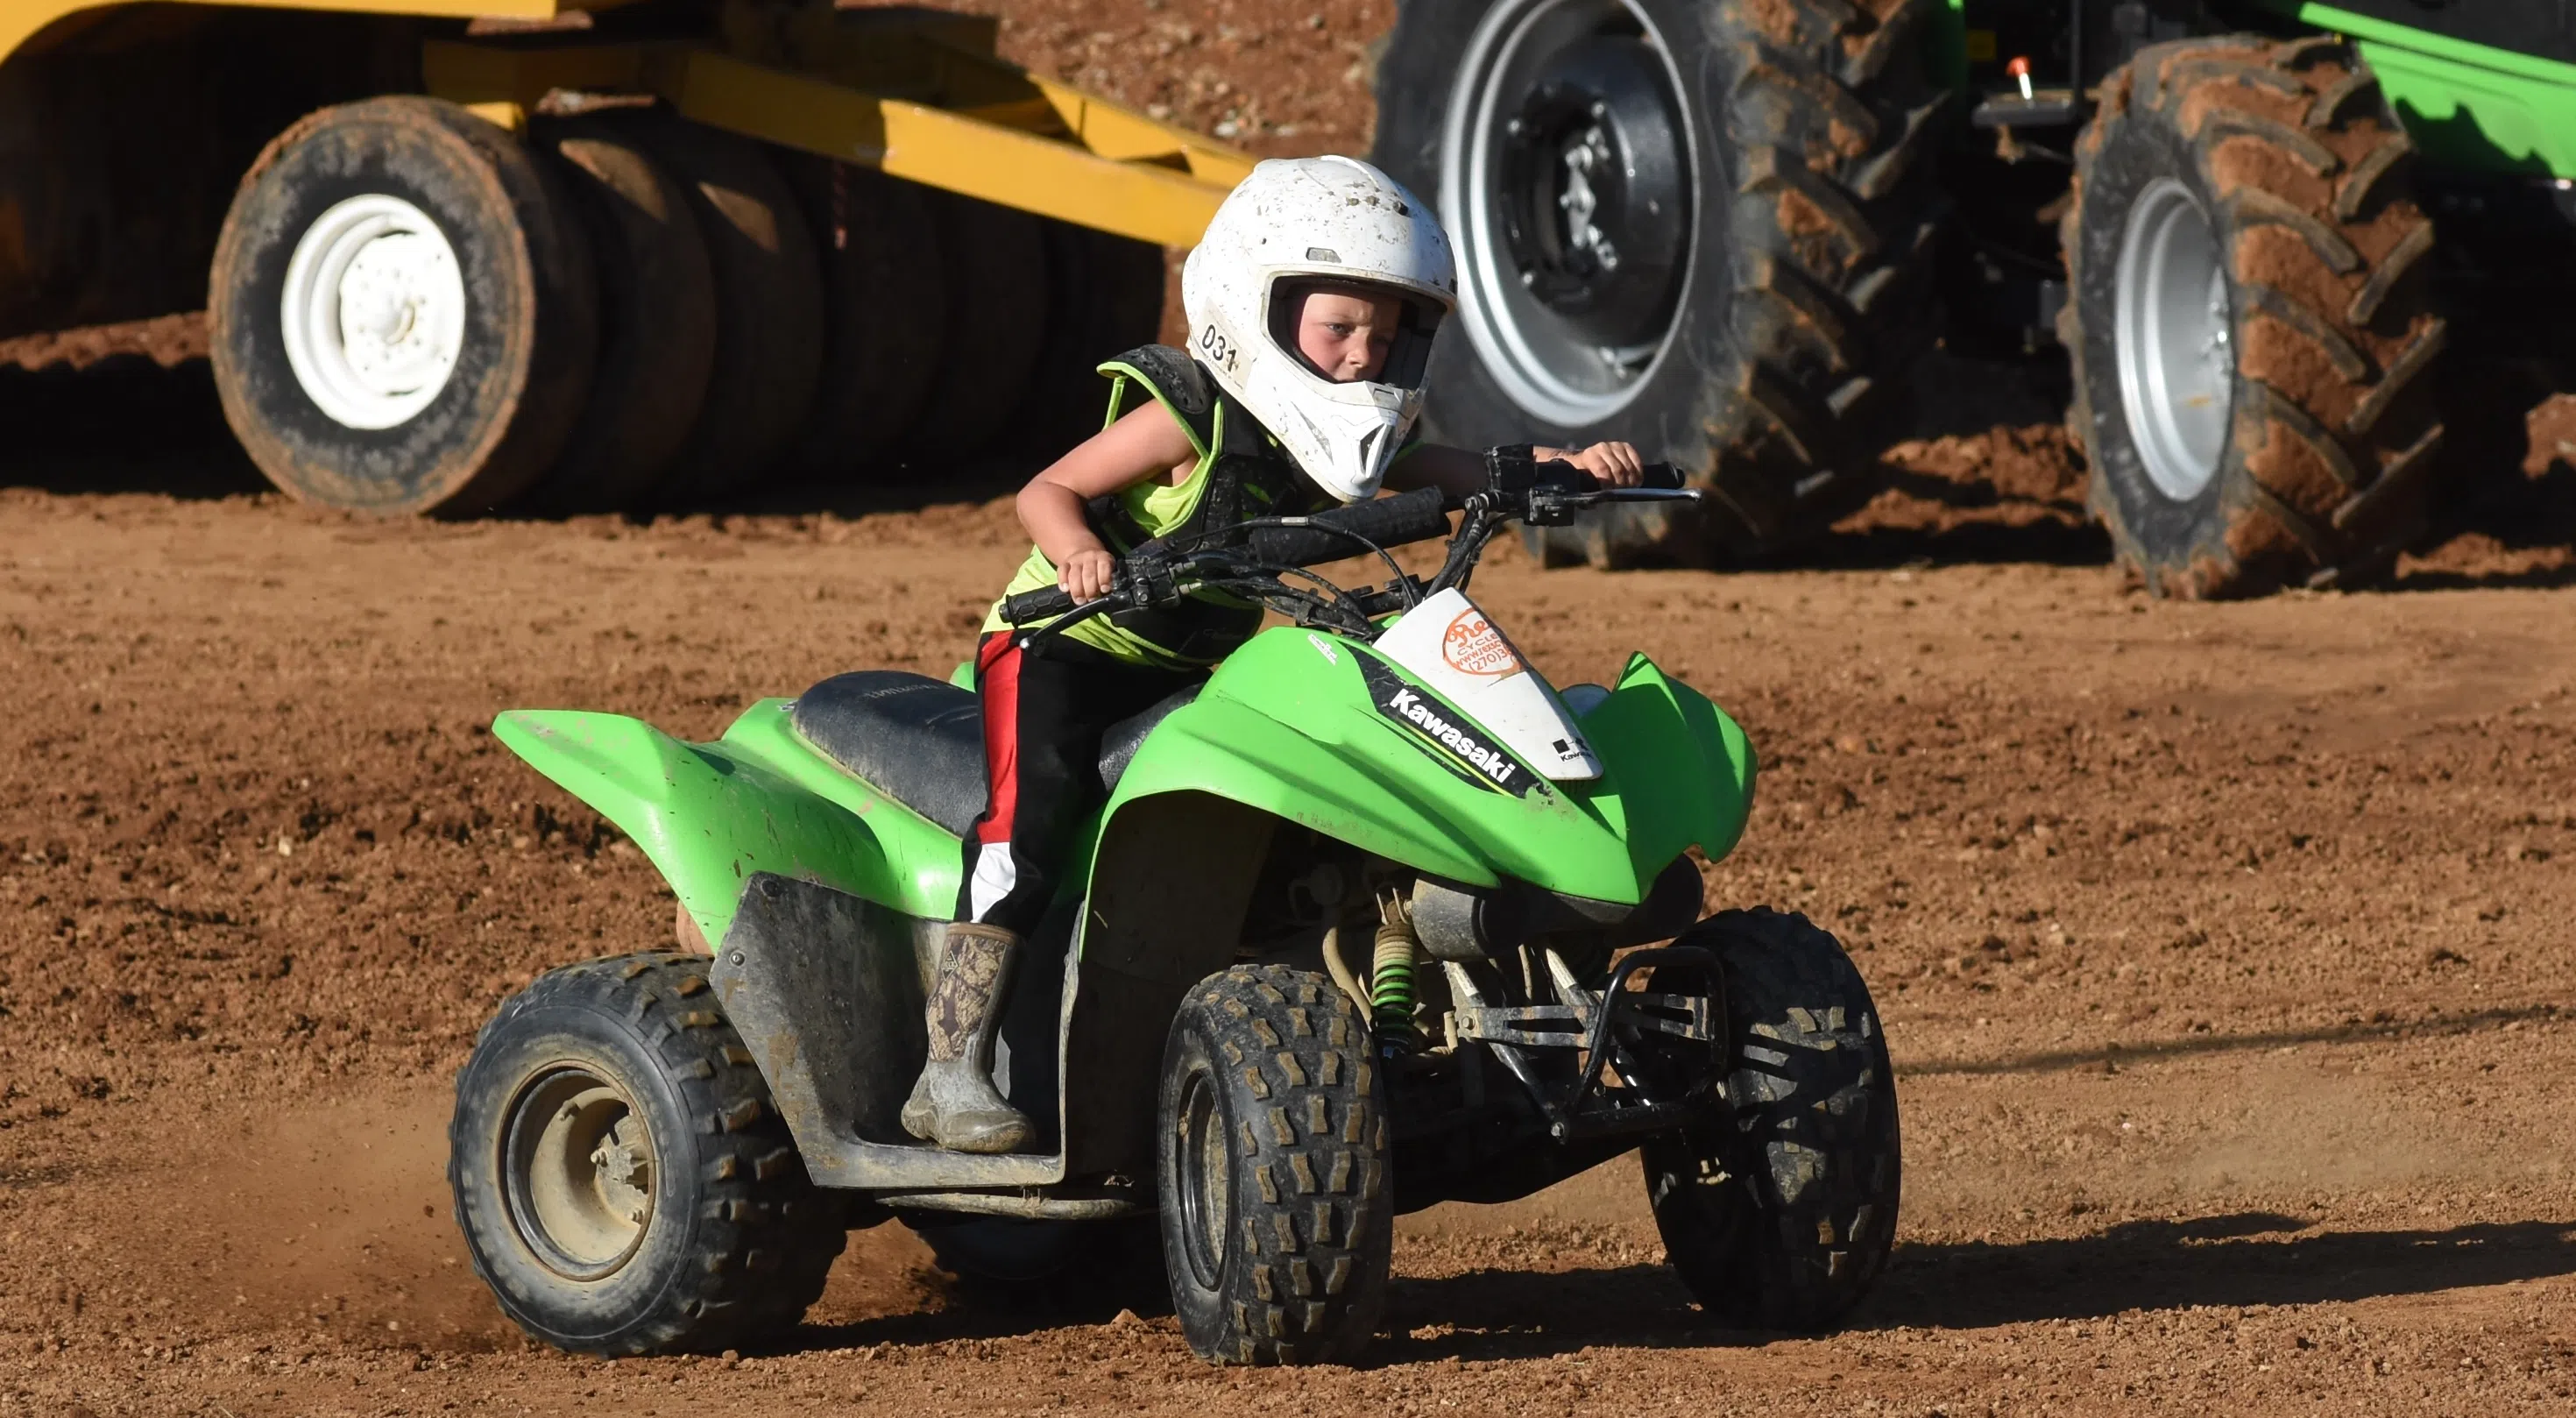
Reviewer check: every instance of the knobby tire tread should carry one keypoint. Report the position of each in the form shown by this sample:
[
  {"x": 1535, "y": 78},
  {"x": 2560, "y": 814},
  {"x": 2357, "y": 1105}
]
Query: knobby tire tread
[{"x": 2334, "y": 437}]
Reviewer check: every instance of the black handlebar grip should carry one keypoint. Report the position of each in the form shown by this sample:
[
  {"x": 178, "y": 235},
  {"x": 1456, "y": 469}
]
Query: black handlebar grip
[
  {"x": 1415, "y": 516},
  {"x": 1661, "y": 475},
  {"x": 1044, "y": 603}
]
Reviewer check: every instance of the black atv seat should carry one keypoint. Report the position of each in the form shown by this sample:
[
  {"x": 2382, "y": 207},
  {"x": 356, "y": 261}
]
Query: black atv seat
[{"x": 921, "y": 740}]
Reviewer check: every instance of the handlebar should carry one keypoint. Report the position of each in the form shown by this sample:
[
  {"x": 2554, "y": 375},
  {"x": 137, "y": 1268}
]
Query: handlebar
[
  {"x": 1044, "y": 603},
  {"x": 1519, "y": 489}
]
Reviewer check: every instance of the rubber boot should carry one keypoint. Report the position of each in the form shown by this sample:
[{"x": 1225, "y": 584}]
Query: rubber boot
[{"x": 955, "y": 1103}]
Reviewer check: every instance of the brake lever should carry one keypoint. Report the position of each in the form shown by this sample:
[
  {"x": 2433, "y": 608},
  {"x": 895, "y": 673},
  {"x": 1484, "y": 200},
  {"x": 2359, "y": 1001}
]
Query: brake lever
[{"x": 1549, "y": 508}]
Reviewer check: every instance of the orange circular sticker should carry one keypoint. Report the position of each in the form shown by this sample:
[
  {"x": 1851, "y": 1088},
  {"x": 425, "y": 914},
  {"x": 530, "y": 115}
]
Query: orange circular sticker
[{"x": 1471, "y": 644}]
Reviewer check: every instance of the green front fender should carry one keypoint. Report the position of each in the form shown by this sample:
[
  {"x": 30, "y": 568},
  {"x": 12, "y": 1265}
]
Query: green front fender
[
  {"x": 1298, "y": 739},
  {"x": 709, "y": 815}
]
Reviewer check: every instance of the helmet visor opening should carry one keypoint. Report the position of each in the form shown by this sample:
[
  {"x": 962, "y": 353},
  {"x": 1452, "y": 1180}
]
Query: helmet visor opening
[{"x": 1415, "y": 320}]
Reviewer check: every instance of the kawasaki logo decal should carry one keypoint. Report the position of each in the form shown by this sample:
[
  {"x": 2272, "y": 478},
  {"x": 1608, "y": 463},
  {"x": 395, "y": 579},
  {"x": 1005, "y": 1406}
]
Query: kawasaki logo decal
[{"x": 1446, "y": 729}]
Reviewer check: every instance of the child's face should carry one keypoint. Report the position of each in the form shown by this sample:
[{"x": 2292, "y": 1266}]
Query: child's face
[{"x": 1346, "y": 336}]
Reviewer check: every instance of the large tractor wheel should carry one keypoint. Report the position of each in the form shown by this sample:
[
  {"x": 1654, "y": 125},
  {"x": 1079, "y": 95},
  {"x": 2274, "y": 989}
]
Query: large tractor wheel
[
  {"x": 1781, "y": 1215},
  {"x": 2252, "y": 342},
  {"x": 402, "y": 308},
  {"x": 622, "y": 1181},
  {"x": 1702, "y": 226},
  {"x": 657, "y": 318},
  {"x": 1277, "y": 1204},
  {"x": 994, "y": 327},
  {"x": 1107, "y": 294},
  {"x": 883, "y": 304},
  {"x": 769, "y": 307}
]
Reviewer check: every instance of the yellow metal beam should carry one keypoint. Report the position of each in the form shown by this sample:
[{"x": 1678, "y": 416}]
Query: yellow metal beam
[
  {"x": 954, "y": 151},
  {"x": 1054, "y": 150}
]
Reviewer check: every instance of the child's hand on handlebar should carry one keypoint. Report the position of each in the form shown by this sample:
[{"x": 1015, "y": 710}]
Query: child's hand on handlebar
[
  {"x": 1088, "y": 574},
  {"x": 1610, "y": 464}
]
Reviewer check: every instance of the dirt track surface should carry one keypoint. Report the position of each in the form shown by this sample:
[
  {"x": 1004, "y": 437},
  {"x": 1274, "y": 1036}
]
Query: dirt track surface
[{"x": 2222, "y": 949}]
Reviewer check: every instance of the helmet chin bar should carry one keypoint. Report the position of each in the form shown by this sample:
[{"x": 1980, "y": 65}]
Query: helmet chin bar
[{"x": 1345, "y": 441}]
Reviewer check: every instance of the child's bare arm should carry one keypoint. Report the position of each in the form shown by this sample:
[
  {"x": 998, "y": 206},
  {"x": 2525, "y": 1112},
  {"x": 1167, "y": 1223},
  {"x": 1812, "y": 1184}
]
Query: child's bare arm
[
  {"x": 1144, "y": 444},
  {"x": 1458, "y": 472}
]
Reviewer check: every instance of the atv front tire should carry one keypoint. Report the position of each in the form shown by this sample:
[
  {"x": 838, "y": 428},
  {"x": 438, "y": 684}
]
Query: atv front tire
[
  {"x": 1781, "y": 1216},
  {"x": 2253, "y": 344},
  {"x": 622, "y": 1181},
  {"x": 1699, "y": 225},
  {"x": 1278, "y": 1217}
]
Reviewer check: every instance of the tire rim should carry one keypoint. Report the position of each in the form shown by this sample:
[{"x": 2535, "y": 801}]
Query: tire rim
[
  {"x": 373, "y": 311},
  {"x": 2172, "y": 330},
  {"x": 1565, "y": 174},
  {"x": 1206, "y": 1177},
  {"x": 578, "y": 1161}
]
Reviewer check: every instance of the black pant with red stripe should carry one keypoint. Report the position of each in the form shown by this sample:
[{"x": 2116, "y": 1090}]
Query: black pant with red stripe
[{"x": 1044, "y": 716}]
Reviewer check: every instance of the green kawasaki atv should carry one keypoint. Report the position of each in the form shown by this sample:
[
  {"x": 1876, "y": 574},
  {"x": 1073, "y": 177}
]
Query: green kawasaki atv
[
  {"x": 1725, "y": 228},
  {"x": 1367, "y": 923}
]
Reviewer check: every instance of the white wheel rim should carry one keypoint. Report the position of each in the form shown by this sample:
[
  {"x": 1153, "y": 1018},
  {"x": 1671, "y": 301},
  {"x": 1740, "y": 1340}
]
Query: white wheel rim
[
  {"x": 2172, "y": 333},
  {"x": 373, "y": 312}
]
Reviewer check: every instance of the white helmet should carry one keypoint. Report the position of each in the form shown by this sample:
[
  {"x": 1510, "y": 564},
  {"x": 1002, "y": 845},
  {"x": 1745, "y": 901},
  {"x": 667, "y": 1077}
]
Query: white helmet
[{"x": 1331, "y": 220}]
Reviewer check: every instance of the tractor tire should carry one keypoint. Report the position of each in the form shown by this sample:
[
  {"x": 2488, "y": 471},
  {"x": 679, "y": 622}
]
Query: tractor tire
[
  {"x": 1700, "y": 226},
  {"x": 1108, "y": 299},
  {"x": 995, "y": 324},
  {"x": 403, "y": 316},
  {"x": 1781, "y": 1216},
  {"x": 612, "y": 1088},
  {"x": 883, "y": 295},
  {"x": 769, "y": 308},
  {"x": 1277, "y": 1210},
  {"x": 2252, "y": 338},
  {"x": 657, "y": 318}
]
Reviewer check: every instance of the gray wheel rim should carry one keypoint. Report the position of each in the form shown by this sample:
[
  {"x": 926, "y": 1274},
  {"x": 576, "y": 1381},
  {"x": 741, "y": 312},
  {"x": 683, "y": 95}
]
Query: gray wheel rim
[
  {"x": 1550, "y": 366},
  {"x": 1206, "y": 1179},
  {"x": 2172, "y": 333},
  {"x": 578, "y": 1169}
]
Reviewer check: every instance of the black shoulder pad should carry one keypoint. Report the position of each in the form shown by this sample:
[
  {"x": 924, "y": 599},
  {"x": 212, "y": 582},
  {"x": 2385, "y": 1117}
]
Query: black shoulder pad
[{"x": 1177, "y": 379}]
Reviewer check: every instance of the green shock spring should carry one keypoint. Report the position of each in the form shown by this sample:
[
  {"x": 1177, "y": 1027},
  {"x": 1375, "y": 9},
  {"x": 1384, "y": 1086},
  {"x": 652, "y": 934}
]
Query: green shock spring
[{"x": 1391, "y": 978}]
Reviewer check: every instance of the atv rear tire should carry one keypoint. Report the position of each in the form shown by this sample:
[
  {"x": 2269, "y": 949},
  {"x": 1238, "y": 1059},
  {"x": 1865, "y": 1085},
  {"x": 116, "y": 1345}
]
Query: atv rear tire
[
  {"x": 1736, "y": 279},
  {"x": 1781, "y": 1216},
  {"x": 2272, "y": 424},
  {"x": 402, "y": 311},
  {"x": 622, "y": 1181},
  {"x": 1277, "y": 1213},
  {"x": 1079, "y": 1271}
]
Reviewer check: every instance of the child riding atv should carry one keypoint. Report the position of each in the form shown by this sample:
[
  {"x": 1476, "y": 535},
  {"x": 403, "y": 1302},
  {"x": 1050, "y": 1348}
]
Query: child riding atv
[{"x": 1313, "y": 300}]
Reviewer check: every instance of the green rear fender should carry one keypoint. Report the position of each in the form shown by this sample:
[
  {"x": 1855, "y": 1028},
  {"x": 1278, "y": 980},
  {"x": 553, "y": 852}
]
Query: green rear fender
[
  {"x": 1677, "y": 773},
  {"x": 709, "y": 815}
]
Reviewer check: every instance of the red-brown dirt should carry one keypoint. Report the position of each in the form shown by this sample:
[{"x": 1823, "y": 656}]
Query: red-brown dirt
[{"x": 2222, "y": 948}]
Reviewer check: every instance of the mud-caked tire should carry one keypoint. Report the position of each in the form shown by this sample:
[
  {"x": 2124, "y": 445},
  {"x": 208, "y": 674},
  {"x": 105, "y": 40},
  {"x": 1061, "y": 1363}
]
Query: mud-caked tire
[
  {"x": 657, "y": 317},
  {"x": 402, "y": 310},
  {"x": 2302, "y": 449},
  {"x": 769, "y": 308},
  {"x": 1272, "y": 1170},
  {"x": 1749, "y": 278},
  {"x": 1782, "y": 1215},
  {"x": 602, "y": 1075},
  {"x": 884, "y": 296},
  {"x": 994, "y": 327}
]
